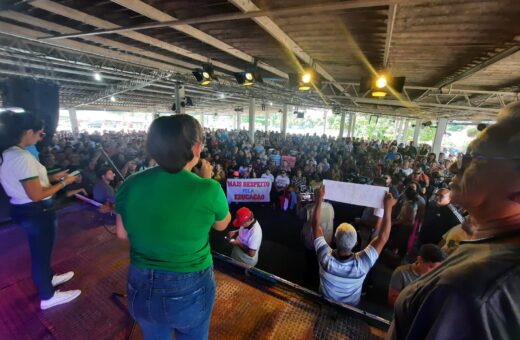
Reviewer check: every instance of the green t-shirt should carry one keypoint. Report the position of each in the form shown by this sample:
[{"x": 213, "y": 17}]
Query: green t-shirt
[{"x": 168, "y": 218}]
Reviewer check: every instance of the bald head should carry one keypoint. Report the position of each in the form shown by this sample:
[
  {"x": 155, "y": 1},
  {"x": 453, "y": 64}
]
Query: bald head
[{"x": 442, "y": 197}]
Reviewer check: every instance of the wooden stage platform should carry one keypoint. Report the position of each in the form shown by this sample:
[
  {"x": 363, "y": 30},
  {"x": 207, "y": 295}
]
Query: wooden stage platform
[{"x": 248, "y": 306}]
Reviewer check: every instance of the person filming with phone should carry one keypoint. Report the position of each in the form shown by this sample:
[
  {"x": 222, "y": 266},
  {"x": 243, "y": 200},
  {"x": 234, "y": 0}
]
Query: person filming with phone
[{"x": 31, "y": 190}]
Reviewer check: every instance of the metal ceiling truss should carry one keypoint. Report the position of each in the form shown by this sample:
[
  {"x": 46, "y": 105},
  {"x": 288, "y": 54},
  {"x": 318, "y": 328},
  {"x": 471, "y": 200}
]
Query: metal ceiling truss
[
  {"x": 445, "y": 100},
  {"x": 54, "y": 55},
  {"x": 34, "y": 59},
  {"x": 24, "y": 51}
]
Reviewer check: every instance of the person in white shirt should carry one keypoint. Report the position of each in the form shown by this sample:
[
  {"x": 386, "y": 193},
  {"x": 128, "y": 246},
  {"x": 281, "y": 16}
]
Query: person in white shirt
[
  {"x": 247, "y": 245},
  {"x": 30, "y": 192},
  {"x": 267, "y": 174},
  {"x": 282, "y": 181},
  {"x": 405, "y": 168},
  {"x": 342, "y": 272},
  {"x": 326, "y": 223}
]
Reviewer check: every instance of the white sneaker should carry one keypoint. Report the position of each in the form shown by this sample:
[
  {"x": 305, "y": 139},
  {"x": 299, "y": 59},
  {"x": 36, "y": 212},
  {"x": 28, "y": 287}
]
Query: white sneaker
[
  {"x": 62, "y": 278},
  {"x": 60, "y": 298}
]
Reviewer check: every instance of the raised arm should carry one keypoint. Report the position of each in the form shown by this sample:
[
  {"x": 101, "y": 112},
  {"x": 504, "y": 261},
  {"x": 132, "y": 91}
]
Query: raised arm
[
  {"x": 317, "y": 231},
  {"x": 380, "y": 240}
]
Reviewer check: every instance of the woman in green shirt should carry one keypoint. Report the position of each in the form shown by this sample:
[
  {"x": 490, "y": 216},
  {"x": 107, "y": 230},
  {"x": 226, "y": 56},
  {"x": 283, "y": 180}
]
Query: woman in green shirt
[{"x": 166, "y": 212}]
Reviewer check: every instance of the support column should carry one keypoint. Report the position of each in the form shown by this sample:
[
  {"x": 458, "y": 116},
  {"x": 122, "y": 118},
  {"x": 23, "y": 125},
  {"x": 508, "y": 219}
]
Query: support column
[
  {"x": 252, "y": 115},
  {"x": 351, "y": 124},
  {"x": 267, "y": 121},
  {"x": 325, "y": 122},
  {"x": 342, "y": 125},
  {"x": 201, "y": 119},
  {"x": 74, "y": 121},
  {"x": 416, "y": 132},
  {"x": 404, "y": 138},
  {"x": 398, "y": 127},
  {"x": 442, "y": 124},
  {"x": 238, "y": 122},
  {"x": 284, "y": 121},
  {"x": 179, "y": 96}
]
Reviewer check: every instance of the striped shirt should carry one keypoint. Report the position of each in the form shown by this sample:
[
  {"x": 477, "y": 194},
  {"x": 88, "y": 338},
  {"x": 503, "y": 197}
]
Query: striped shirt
[{"x": 342, "y": 280}]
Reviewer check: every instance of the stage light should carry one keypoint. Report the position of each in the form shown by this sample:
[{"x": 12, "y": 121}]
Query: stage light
[
  {"x": 271, "y": 103},
  {"x": 205, "y": 75},
  {"x": 249, "y": 77},
  {"x": 112, "y": 98},
  {"x": 379, "y": 94},
  {"x": 222, "y": 96},
  {"x": 97, "y": 76},
  {"x": 304, "y": 81},
  {"x": 381, "y": 82}
]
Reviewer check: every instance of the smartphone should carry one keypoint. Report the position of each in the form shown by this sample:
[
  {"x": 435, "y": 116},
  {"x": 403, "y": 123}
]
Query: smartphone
[{"x": 74, "y": 173}]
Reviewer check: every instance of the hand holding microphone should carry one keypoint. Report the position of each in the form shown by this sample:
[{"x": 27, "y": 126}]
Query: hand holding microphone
[{"x": 206, "y": 169}]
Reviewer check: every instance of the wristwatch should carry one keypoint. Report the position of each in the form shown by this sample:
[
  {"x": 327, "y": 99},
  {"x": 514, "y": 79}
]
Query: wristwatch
[{"x": 62, "y": 181}]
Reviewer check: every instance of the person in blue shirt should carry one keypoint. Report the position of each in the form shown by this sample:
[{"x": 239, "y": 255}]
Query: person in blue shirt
[{"x": 342, "y": 271}]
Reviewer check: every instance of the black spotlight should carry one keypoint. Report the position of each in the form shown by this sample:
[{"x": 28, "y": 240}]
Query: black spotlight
[
  {"x": 305, "y": 80},
  {"x": 185, "y": 102},
  {"x": 205, "y": 75},
  {"x": 299, "y": 114},
  {"x": 249, "y": 77},
  {"x": 379, "y": 85}
]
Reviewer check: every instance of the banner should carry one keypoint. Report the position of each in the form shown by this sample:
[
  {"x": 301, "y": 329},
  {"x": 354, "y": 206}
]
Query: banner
[
  {"x": 359, "y": 194},
  {"x": 291, "y": 161},
  {"x": 248, "y": 190}
]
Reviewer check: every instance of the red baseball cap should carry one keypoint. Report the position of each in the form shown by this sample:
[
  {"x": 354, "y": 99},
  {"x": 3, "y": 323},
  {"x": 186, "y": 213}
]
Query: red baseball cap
[{"x": 243, "y": 214}]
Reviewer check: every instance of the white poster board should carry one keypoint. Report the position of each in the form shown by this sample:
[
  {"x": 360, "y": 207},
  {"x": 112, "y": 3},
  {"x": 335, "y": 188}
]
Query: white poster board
[
  {"x": 248, "y": 190},
  {"x": 352, "y": 193}
]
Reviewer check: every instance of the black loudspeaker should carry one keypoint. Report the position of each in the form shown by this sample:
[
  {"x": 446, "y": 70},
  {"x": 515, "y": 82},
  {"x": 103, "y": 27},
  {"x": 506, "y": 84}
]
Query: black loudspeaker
[{"x": 37, "y": 96}]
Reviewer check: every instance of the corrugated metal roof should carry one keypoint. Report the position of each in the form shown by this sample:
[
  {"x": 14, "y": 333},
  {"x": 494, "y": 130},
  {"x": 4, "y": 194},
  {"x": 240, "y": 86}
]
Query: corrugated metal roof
[{"x": 433, "y": 44}]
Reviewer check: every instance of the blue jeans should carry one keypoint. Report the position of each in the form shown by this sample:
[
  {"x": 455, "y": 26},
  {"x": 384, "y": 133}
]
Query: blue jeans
[
  {"x": 165, "y": 302},
  {"x": 39, "y": 222}
]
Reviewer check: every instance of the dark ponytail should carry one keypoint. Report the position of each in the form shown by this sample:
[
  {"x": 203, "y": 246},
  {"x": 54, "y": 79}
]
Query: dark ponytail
[{"x": 12, "y": 127}]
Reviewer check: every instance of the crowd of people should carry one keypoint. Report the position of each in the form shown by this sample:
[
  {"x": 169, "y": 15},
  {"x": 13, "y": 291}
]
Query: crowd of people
[
  {"x": 417, "y": 228},
  {"x": 295, "y": 165},
  {"x": 233, "y": 155}
]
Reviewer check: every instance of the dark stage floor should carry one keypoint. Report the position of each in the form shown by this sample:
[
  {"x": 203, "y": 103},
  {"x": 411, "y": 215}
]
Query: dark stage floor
[
  {"x": 282, "y": 253},
  {"x": 101, "y": 261}
]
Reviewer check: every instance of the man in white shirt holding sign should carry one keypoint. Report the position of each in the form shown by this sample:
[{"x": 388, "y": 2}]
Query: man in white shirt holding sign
[
  {"x": 247, "y": 244},
  {"x": 342, "y": 272}
]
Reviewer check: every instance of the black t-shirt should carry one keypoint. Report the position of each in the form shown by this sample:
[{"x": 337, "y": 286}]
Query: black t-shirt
[
  {"x": 474, "y": 294},
  {"x": 436, "y": 222}
]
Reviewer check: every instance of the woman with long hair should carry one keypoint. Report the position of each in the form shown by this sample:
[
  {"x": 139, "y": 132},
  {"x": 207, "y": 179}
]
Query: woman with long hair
[
  {"x": 30, "y": 192},
  {"x": 167, "y": 212}
]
